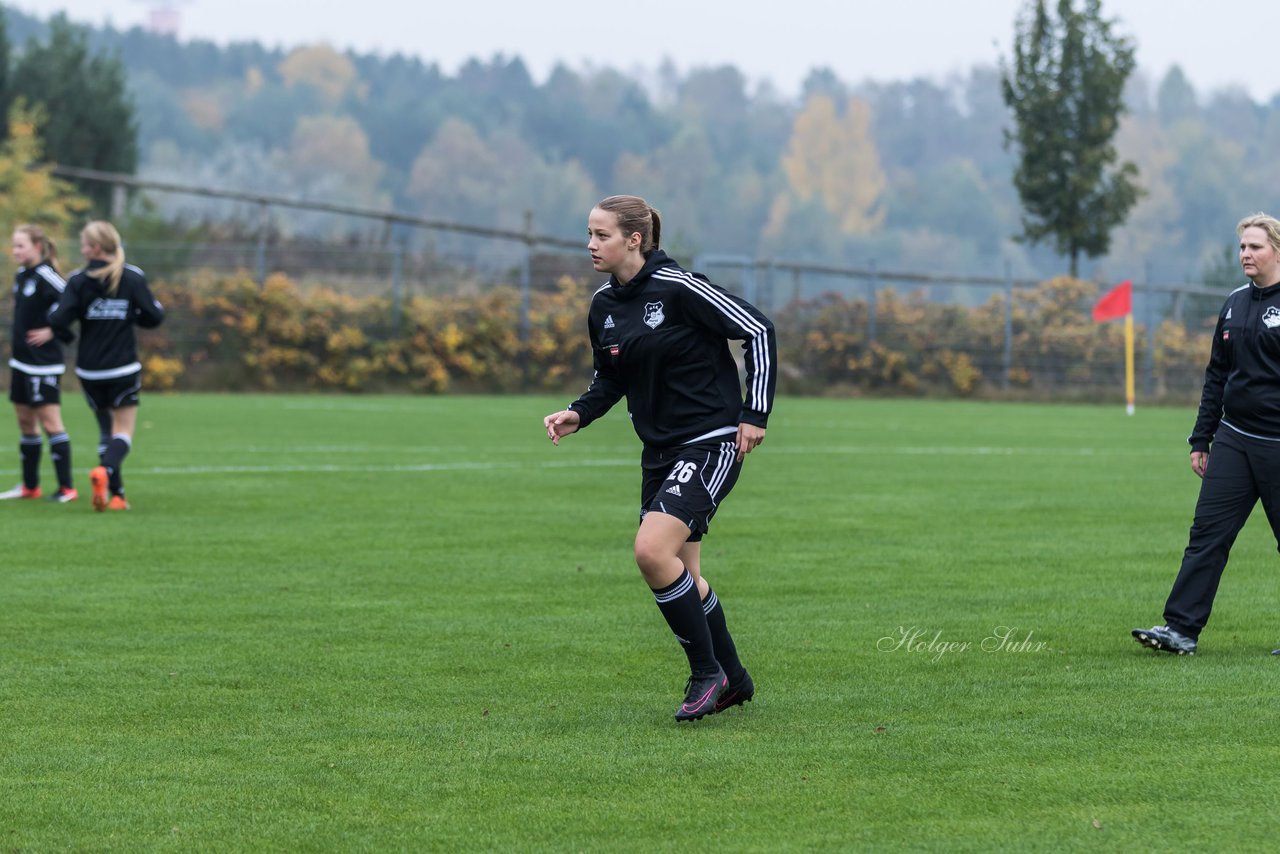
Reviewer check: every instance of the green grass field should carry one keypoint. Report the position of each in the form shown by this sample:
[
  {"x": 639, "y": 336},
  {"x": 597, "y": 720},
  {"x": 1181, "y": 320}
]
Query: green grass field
[{"x": 390, "y": 623}]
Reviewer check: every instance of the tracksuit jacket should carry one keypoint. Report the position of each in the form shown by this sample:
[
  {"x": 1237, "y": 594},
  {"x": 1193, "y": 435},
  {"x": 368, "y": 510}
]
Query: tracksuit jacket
[
  {"x": 1242, "y": 380},
  {"x": 108, "y": 348},
  {"x": 36, "y": 292},
  {"x": 662, "y": 340}
]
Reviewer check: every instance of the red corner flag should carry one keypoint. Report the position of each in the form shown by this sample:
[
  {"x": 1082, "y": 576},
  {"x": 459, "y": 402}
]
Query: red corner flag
[{"x": 1115, "y": 303}]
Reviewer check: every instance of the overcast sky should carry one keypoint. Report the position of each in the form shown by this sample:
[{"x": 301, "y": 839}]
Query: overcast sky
[{"x": 778, "y": 40}]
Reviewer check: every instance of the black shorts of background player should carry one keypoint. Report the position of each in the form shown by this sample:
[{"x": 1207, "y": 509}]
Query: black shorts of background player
[
  {"x": 37, "y": 364},
  {"x": 108, "y": 298},
  {"x": 660, "y": 337}
]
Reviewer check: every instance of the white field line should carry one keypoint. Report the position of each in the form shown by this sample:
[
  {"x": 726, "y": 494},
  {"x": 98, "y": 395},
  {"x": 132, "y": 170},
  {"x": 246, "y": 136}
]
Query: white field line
[
  {"x": 412, "y": 468},
  {"x": 420, "y": 468}
]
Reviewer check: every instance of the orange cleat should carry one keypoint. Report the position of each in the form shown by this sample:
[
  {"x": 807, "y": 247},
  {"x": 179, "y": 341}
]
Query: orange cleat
[
  {"x": 21, "y": 491},
  {"x": 98, "y": 480},
  {"x": 64, "y": 495},
  {"x": 117, "y": 502}
]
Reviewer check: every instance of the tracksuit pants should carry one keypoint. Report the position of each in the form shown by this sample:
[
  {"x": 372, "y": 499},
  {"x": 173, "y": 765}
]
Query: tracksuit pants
[{"x": 1241, "y": 471}]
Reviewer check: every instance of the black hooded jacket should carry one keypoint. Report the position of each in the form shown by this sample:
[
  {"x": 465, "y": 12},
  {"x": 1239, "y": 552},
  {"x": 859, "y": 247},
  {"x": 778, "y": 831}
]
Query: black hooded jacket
[
  {"x": 108, "y": 348},
  {"x": 1242, "y": 380},
  {"x": 36, "y": 292},
  {"x": 662, "y": 341}
]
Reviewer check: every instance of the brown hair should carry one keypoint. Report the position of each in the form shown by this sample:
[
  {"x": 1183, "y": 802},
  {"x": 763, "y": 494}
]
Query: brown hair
[
  {"x": 1269, "y": 224},
  {"x": 48, "y": 249},
  {"x": 636, "y": 216},
  {"x": 103, "y": 235}
]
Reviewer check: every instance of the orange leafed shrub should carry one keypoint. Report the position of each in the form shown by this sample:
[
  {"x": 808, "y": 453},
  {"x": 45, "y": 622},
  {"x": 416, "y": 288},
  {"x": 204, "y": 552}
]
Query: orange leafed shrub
[{"x": 229, "y": 334}]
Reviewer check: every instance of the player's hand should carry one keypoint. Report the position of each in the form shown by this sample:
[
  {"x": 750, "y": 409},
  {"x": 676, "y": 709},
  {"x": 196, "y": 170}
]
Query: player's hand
[
  {"x": 1199, "y": 462},
  {"x": 561, "y": 424},
  {"x": 37, "y": 337},
  {"x": 749, "y": 436}
]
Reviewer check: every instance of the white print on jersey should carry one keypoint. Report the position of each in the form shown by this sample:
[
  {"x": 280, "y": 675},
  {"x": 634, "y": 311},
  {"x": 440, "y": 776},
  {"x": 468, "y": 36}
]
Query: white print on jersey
[
  {"x": 608, "y": 322},
  {"x": 108, "y": 309}
]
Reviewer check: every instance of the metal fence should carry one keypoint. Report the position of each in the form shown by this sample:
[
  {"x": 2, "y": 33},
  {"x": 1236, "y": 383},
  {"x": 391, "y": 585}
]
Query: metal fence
[{"x": 401, "y": 255}]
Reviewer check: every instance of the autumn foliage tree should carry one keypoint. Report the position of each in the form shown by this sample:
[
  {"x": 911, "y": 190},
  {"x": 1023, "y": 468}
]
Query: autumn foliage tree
[
  {"x": 29, "y": 192},
  {"x": 1066, "y": 89},
  {"x": 322, "y": 68},
  {"x": 831, "y": 160}
]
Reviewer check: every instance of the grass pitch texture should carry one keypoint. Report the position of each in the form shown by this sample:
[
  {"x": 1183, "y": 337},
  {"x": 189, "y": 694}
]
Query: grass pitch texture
[{"x": 389, "y": 623}]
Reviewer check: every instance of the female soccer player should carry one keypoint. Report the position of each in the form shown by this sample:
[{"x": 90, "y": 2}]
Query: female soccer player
[
  {"x": 659, "y": 336},
  {"x": 109, "y": 298},
  {"x": 38, "y": 364}
]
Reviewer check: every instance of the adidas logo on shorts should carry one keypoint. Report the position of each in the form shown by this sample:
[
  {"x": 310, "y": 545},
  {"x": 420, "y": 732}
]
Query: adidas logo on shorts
[{"x": 674, "y": 490}]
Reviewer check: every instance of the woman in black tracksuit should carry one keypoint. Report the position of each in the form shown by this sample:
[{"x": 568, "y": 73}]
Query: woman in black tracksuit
[
  {"x": 659, "y": 336},
  {"x": 37, "y": 363},
  {"x": 1240, "y": 419},
  {"x": 108, "y": 297}
]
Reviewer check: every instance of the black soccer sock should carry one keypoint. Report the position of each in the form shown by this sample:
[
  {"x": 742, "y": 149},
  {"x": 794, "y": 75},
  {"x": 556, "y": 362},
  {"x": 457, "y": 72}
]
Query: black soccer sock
[
  {"x": 104, "y": 433},
  {"x": 726, "y": 652},
  {"x": 117, "y": 449},
  {"x": 30, "y": 448},
  {"x": 60, "y": 450},
  {"x": 682, "y": 607}
]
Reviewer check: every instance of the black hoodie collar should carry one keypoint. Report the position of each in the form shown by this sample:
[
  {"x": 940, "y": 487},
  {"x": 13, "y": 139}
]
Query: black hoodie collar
[
  {"x": 1265, "y": 293},
  {"x": 654, "y": 259}
]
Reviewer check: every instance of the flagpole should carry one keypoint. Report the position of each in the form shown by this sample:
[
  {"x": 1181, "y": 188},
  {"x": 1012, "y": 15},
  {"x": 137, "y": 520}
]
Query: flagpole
[{"x": 1128, "y": 363}]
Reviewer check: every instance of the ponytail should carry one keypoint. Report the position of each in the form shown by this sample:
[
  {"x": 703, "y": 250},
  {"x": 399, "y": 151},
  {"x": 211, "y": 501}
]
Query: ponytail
[{"x": 103, "y": 235}]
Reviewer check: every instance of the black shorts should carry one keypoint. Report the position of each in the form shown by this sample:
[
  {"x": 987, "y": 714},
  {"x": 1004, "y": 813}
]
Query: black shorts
[
  {"x": 688, "y": 482},
  {"x": 35, "y": 389},
  {"x": 113, "y": 393}
]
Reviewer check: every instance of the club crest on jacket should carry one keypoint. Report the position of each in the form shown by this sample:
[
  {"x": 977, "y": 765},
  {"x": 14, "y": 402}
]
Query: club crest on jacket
[{"x": 653, "y": 315}]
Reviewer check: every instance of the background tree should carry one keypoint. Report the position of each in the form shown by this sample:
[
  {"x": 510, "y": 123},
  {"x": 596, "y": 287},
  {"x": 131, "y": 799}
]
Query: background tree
[
  {"x": 1066, "y": 92},
  {"x": 5, "y": 96},
  {"x": 29, "y": 192},
  {"x": 832, "y": 159},
  {"x": 321, "y": 67},
  {"x": 88, "y": 115}
]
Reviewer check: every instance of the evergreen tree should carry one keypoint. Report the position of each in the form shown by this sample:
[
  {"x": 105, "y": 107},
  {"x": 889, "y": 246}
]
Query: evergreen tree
[
  {"x": 6, "y": 97},
  {"x": 1065, "y": 90},
  {"x": 89, "y": 117}
]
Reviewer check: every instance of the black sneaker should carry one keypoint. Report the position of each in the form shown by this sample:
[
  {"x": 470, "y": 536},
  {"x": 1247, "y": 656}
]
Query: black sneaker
[
  {"x": 64, "y": 495},
  {"x": 1165, "y": 639},
  {"x": 700, "y": 695},
  {"x": 736, "y": 694}
]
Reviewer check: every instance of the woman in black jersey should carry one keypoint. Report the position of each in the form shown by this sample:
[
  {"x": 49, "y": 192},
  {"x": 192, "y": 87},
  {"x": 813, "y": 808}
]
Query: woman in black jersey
[
  {"x": 109, "y": 298},
  {"x": 659, "y": 336},
  {"x": 1239, "y": 422},
  {"x": 37, "y": 363}
]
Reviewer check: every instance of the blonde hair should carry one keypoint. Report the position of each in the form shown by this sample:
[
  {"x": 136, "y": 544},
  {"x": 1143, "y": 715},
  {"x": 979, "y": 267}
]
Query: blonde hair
[
  {"x": 103, "y": 235},
  {"x": 48, "y": 249},
  {"x": 1267, "y": 223},
  {"x": 635, "y": 216}
]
